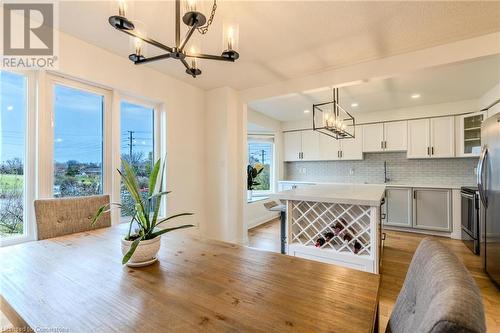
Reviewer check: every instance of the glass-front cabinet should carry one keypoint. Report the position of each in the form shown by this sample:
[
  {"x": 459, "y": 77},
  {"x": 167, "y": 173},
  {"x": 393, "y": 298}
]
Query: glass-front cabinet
[{"x": 469, "y": 134}]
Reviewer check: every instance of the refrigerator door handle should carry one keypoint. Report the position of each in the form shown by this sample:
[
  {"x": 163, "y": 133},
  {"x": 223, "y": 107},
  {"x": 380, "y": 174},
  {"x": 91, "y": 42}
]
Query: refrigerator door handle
[{"x": 480, "y": 170}]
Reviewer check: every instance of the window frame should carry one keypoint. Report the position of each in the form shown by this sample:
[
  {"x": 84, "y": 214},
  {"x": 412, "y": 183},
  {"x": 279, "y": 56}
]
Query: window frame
[
  {"x": 39, "y": 130},
  {"x": 29, "y": 172},
  {"x": 158, "y": 151},
  {"x": 46, "y": 152},
  {"x": 251, "y": 139}
]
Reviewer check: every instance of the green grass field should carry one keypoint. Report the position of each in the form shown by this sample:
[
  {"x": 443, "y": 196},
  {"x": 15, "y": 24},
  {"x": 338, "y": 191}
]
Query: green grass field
[{"x": 11, "y": 182}]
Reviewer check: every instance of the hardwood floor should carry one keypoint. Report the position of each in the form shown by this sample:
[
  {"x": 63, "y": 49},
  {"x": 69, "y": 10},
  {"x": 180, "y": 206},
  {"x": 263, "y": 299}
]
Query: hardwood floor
[{"x": 398, "y": 251}]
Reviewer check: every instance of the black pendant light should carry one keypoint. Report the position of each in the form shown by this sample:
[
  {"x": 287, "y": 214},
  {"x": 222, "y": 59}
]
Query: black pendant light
[
  {"x": 194, "y": 20},
  {"x": 331, "y": 119}
]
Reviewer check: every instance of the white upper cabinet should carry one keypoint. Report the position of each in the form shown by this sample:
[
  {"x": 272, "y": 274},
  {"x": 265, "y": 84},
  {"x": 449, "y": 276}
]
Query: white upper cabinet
[
  {"x": 390, "y": 136},
  {"x": 431, "y": 138},
  {"x": 418, "y": 138},
  {"x": 329, "y": 148},
  {"x": 344, "y": 149},
  {"x": 468, "y": 134},
  {"x": 352, "y": 149},
  {"x": 301, "y": 146},
  {"x": 314, "y": 146},
  {"x": 373, "y": 138},
  {"x": 442, "y": 137},
  {"x": 310, "y": 145},
  {"x": 292, "y": 144},
  {"x": 395, "y": 136}
]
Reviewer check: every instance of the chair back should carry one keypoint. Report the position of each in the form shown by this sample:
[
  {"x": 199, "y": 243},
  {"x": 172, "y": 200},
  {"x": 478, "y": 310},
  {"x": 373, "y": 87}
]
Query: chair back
[
  {"x": 439, "y": 295},
  {"x": 64, "y": 216}
]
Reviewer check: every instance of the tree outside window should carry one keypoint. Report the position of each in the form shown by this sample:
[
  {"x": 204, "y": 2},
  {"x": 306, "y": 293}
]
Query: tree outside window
[{"x": 262, "y": 152}]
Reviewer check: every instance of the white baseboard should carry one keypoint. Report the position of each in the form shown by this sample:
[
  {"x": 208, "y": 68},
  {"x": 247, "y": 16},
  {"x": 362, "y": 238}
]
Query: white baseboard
[{"x": 263, "y": 219}]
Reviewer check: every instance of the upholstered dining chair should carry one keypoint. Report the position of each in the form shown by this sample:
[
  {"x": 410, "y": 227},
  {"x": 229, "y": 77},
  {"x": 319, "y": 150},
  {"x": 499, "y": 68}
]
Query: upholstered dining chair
[
  {"x": 59, "y": 217},
  {"x": 438, "y": 295}
]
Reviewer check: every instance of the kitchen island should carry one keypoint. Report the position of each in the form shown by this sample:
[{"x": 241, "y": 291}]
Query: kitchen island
[{"x": 335, "y": 223}]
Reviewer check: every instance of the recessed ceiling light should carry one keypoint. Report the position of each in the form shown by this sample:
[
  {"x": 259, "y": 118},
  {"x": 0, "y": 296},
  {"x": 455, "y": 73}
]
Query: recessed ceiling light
[
  {"x": 306, "y": 111},
  {"x": 354, "y": 105},
  {"x": 10, "y": 108},
  {"x": 415, "y": 96}
]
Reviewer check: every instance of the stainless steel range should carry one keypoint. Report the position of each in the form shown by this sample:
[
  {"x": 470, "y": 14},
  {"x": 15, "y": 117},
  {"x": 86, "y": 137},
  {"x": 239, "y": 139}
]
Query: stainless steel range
[{"x": 470, "y": 218}]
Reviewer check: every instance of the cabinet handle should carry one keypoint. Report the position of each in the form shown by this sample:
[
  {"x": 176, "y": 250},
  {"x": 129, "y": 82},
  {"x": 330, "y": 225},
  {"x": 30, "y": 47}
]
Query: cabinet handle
[
  {"x": 381, "y": 144},
  {"x": 338, "y": 153},
  {"x": 385, "y": 144},
  {"x": 428, "y": 151},
  {"x": 432, "y": 151},
  {"x": 415, "y": 195},
  {"x": 341, "y": 154}
]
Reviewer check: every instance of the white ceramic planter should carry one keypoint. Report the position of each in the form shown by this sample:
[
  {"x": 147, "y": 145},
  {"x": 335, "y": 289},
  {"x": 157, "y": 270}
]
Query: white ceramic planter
[{"x": 145, "y": 253}]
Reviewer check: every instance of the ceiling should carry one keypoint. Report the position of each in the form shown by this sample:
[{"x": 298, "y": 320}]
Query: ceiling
[
  {"x": 280, "y": 40},
  {"x": 450, "y": 83}
]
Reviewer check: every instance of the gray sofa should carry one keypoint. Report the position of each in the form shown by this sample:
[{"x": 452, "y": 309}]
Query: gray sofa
[{"x": 439, "y": 295}]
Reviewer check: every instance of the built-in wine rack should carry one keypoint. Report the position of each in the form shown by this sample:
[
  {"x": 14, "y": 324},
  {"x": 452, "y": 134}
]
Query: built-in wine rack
[{"x": 347, "y": 227}]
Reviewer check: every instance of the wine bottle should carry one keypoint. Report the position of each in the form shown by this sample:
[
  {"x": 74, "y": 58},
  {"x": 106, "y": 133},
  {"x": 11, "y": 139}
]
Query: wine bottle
[
  {"x": 337, "y": 228},
  {"x": 357, "y": 247},
  {"x": 320, "y": 242},
  {"x": 347, "y": 237},
  {"x": 328, "y": 236}
]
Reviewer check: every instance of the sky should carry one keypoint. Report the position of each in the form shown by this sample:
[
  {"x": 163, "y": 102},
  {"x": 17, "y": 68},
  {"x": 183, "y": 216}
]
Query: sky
[{"x": 78, "y": 122}]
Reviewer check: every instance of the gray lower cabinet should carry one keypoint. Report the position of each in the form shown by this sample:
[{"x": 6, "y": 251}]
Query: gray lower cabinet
[
  {"x": 398, "y": 207},
  {"x": 432, "y": 209}
]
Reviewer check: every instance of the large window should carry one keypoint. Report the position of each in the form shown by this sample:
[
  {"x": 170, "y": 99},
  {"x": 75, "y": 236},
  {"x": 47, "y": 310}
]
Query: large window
[
  {"x": 261, "y": 151},
  {"x": 13, "y": 103},
  {"x": 78, "y": 142},
  {"x": 137, "y": 147}
]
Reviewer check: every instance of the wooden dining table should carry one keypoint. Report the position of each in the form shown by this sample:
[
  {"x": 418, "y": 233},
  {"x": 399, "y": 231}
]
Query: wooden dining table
[{"x": 77, "y": 283}]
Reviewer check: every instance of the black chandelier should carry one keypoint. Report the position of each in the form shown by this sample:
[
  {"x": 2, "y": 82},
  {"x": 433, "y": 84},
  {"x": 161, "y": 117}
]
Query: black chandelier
[
  {"x": 194, "y": 20},
  {"x": 331, "y": 119}
]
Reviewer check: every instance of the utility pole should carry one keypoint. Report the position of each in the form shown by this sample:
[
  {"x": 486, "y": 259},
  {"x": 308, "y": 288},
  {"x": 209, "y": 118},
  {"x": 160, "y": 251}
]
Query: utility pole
[{"x": 130, "y": 144}]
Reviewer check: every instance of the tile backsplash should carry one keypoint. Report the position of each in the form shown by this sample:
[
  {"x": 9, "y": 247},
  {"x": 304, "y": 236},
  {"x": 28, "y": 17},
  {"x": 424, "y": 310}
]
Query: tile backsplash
[{"x": 449, "y": 171}]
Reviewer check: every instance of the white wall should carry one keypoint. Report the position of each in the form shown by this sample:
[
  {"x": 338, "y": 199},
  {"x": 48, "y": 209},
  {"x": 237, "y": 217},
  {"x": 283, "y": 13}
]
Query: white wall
[
  {"x": 225, "y": 161},
  {"x": 257, "y": 214},
  {"x": 490, "y": 97},
  {"x": 184, "y": 105},
  {"x": 433, "y": 110}
]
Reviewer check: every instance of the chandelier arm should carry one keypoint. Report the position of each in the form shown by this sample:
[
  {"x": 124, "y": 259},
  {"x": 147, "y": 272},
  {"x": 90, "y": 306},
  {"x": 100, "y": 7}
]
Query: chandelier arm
[
  {"x": 177, "y": 23},
  {"x": 147, "y": 40},
  {"x": 184, "y": 62},
  {"x": 146, "y": 60},
  {"x": 209, "y": 56},
  {"x": 187, "y": 37}
]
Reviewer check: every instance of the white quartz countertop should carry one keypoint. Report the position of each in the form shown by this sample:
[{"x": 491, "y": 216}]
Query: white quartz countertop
[
  {"x": 389, "y": 184},
  {"x": 356, "y": 194}
]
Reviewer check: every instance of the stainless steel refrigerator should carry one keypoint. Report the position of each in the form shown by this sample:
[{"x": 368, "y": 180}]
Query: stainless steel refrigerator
[{"x": 488, "y": 181}]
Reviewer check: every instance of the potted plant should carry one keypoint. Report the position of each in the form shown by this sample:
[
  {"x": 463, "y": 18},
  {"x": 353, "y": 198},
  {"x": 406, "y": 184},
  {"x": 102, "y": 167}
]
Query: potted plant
[
  {"x": 252, "y": 173},
  {"x": 140, "y": 248}
]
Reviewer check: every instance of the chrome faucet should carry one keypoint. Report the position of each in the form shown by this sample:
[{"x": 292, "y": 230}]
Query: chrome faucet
[{"x": 386, "y": 179}]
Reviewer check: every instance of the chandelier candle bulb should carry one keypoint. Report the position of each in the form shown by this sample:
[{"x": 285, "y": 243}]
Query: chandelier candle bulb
[
  {"x": 190, "y": 5},
  {"x": 230, "y": 37},
  {"x": 138, "y": 46},
  {"x": 122, "y": 8}
]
